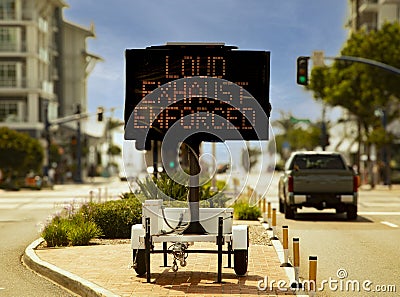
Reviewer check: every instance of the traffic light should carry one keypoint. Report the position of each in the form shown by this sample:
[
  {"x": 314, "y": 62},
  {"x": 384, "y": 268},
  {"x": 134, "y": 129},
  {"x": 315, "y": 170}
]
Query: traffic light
[
  {"x": 302, "y": 71},
  {"x": 100, "y": 111}
]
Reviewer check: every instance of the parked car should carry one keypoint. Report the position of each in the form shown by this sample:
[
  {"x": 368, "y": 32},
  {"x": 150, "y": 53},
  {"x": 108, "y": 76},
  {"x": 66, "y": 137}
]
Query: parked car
[{"x": 318, "y": 179}]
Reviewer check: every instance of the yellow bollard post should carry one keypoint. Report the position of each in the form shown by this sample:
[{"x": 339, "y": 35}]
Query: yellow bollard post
[
  {"x": 312, "y": 275},
  {"x": 274, "y": 237},
  {"x": 285, "y": 245},
  {"x": 263, "y": 210},
  {"x": 296, "y": 263},
  {"x": 269, "y": 216}
]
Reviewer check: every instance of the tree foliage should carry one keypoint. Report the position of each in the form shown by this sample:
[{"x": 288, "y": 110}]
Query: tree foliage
[
  {"x": 19, "y": 152},
  {"x": 296, "y": 135},
  {"x": 114, "y": 150},
  {"x": 361, "y": 88}
]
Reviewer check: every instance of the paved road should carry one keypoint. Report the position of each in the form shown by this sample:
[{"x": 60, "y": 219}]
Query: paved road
[
  {"x": 21, "y": 214},
  {"x": 367, "y": 249},
  {"x": 351, "y": 253}
]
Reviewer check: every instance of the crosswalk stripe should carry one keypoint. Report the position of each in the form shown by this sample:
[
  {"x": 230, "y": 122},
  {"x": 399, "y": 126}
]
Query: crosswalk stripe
[
  {"x": 40, "y": 206},
  {"x": 389, "y": 224},
  {"x": 379, "y": 213}
]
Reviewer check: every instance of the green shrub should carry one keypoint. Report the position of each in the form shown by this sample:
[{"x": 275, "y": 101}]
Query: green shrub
[
  {"x": 81, "y": 231},
  {"x": 165, "y": 187},
  {"x": 115, "y": 218},
  {"x": 152, "y": 187},
  {"x": 243, "y": 211},
  {"x": 73, "y": 230},
  {"x": 56, "y": 232}
]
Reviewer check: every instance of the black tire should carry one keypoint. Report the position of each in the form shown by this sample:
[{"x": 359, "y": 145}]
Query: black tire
[
  {"x": 281, "y": 206},
  {"x": 289, "y": 212},
  {"x": 140, "y": 267},
  {"x": 351, "y": 212},
  {"x": 240, "y": 262}
]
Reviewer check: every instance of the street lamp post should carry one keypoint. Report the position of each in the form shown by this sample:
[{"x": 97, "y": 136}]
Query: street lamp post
[
  {"x": 382, "y": 113},
  {"x": 386, "y": 170}
]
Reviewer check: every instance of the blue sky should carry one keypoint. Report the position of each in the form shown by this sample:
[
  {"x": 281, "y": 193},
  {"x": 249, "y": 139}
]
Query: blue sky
[{"x": 287, "y": 29}]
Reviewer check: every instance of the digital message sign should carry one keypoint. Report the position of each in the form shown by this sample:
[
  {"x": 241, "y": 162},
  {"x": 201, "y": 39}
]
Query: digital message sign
[{"x": 197, "y": 86}]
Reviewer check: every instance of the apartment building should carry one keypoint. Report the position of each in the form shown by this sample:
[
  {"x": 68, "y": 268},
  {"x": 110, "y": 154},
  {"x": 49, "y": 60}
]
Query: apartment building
[
  {"x": 44, "y": 65},
  {"x": 372, "y": 14}
]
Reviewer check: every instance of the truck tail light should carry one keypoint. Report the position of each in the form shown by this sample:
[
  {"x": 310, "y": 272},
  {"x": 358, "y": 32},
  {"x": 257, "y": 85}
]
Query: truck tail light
[
  {"x": 290, "y": 184},
  {"x": 356, "y": 183}
]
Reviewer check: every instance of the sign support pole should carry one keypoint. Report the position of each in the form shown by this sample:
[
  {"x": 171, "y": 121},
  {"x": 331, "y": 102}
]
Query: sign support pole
[{"x": 194, "y": 190}]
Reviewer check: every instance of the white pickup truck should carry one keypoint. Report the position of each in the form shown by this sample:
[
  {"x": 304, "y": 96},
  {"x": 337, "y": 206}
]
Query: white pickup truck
[{"x": 320, "y": 180}]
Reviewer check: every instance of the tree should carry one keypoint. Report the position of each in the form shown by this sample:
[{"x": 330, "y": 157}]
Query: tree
[
  {"x": 297, "y": 134},
  {"x": 360, "y": 88},
  {"x": 19, "y": 152}
]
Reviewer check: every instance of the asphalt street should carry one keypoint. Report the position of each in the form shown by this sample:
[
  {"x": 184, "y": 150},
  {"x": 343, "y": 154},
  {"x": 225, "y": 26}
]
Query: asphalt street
[{"x": 355, "y": 258}]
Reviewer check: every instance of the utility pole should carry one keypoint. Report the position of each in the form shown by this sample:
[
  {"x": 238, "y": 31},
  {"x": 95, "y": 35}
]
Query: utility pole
[
  {"x": 48, "y": 138},
  {"x": 324, "y": 132},
  {"x": 78, "y": 177}
]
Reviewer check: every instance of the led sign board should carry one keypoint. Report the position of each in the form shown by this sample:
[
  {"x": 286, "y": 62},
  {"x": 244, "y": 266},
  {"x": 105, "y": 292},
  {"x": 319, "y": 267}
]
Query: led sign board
[{"x": 173, "y": 83}]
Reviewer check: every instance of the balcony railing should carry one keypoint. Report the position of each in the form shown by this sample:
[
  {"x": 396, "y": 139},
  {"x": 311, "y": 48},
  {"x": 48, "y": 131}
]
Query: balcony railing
[
  {"x": 369, "y": 2},
  {"x": 370, "y": 26},
  {"x": 12, "y": 15},
  {"x": 10, "y": 83},
  {"x": 13, "y": 47}
]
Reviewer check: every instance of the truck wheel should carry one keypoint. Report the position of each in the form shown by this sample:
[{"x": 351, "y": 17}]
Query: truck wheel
[
  {"x": 240, "y": 262},
  {"x": 289, "y": 212},
  {"x": 140, "y": 266},
  {"x": 351, "y": 212}
]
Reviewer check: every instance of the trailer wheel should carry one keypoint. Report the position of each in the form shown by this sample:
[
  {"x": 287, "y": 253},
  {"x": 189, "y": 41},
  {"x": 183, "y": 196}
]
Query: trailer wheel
[
  {"x": 140, "y": 266},
  {"x": 240, "y": 261}
]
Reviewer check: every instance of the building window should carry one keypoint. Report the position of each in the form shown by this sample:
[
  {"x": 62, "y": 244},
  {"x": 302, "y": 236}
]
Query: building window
[
  {"x": 8, "y": 39},
  {"x": 7, "y": 10},
  {"x": 8, "y": 74},
  {"x": 9, "y": 112}
]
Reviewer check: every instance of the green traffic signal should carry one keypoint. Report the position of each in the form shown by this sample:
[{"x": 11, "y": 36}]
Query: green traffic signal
[
  {"x": 302, "y": 71},
  {"x": 302, "y": 79}
]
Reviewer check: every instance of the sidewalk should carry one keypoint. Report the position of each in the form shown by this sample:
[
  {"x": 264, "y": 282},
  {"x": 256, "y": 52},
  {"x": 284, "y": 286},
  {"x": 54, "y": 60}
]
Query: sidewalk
[
  {"x": 104, "y": 270},
  {"x": 381, "y": 188}
]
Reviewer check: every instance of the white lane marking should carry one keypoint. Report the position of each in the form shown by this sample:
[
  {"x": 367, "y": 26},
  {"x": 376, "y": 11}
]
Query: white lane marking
[
  {"x": 390, "y": 224},
  {"x": 379, "y": 213}
]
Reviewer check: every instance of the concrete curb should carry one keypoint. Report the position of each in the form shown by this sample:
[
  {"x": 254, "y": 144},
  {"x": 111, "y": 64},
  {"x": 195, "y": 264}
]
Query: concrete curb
[
  {"x": 64, "y": 278},
  {"x": 281, "y": 256}
]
